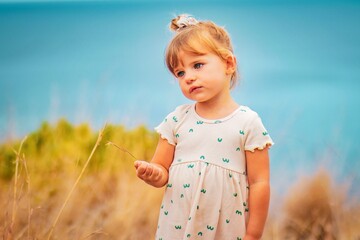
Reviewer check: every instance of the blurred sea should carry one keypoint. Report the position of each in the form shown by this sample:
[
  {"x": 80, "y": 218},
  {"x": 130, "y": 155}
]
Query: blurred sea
[{"x": 103, "y": 62}]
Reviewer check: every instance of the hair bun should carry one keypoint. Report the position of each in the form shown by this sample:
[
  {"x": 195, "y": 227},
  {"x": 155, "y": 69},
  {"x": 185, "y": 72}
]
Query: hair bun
[{"x": 182, "y": 21}]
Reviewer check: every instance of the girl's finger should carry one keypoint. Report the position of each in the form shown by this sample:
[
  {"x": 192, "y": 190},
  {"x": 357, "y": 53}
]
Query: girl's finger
[
  {"x": 137, "y": 163},
  {"x": 156, "y": 172},
  {"x": 149, "y": 170},
  {"x": 142, "y": 168}
]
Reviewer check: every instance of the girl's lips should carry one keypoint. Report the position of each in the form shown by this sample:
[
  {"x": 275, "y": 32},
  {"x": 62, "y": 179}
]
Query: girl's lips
[{"x": 192, "y": 89}]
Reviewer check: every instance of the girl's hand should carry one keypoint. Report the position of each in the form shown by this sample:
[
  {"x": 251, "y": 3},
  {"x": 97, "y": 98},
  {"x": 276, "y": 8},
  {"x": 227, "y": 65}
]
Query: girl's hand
[{"x": 148, "y": 172}]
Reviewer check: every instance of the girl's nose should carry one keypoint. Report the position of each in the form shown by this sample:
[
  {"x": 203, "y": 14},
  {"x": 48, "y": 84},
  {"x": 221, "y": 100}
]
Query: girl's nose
[{"x": 190, "y": 78}]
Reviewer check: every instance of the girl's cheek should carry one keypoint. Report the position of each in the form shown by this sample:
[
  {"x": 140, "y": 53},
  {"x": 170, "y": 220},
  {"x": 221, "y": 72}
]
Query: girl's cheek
[{"x": 185, "y": 93}]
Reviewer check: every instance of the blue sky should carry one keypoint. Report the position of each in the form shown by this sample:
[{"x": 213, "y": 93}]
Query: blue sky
[
  {"x": 90, "y": 49},
  {"x": 49, "y": 49}
]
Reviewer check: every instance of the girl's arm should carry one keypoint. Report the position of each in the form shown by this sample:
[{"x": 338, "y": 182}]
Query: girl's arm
[
  {"x": 258, "y": 171},
  {"x": 156, "y": 173}
]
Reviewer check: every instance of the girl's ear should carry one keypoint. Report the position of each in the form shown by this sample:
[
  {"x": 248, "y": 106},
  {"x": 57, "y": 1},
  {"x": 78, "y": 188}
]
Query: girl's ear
[{"x": 230, "y": 64}]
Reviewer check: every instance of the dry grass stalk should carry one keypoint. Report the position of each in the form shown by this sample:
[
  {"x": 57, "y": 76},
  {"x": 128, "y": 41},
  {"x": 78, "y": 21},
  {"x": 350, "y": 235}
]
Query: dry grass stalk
[
  {"x": 97, "y": 232},
  {"x": 30, "y": 210},
  {"x": 100, "y": 136},
  {"x": 15, "y": 193},
  {"x": 121, "y": 148},
  {"x": 29, "y": 197}
]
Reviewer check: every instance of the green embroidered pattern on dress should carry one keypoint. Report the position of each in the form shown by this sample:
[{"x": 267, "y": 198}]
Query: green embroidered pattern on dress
[
  {"x": 210, "y": 228},
  {"x": 226, "y": 160}
]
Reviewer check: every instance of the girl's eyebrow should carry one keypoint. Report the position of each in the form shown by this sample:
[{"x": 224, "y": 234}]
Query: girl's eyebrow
[
  {"x": 192, "y": 62},
  {"x": 178, "y": 68},
  {"x": 196, "y": 59}
]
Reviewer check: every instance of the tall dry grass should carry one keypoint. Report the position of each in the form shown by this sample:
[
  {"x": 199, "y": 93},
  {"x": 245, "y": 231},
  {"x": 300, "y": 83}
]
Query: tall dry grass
[
  {"x": 109, "y": 202},
  {"x": 38, "y": 178},
  {"x": 316, "y": 208}
]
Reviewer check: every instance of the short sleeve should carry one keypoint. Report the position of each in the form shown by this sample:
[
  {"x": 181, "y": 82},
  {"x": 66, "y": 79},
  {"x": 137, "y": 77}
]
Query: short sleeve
[
  {"x": 257, "y": 136},
  {"x": 167, "y": 129}
]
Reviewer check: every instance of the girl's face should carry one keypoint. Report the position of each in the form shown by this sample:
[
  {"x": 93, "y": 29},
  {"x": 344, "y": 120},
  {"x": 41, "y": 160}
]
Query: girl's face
[{"x": 203, "y": 78}]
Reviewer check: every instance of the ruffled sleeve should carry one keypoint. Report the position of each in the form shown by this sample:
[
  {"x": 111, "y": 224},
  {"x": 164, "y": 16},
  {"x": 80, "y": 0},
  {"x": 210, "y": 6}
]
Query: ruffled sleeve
[
  {"x": 167, "y": 128},
  {"x": 257, "y": 136}
]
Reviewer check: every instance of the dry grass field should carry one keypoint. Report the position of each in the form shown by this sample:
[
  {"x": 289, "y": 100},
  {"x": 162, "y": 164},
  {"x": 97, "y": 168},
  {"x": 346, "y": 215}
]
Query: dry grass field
[{"x": 53, "y": 187}]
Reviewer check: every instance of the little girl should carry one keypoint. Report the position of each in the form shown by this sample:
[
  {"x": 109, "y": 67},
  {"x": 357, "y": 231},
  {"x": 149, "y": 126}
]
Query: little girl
[{"x": 213, "y": 154}]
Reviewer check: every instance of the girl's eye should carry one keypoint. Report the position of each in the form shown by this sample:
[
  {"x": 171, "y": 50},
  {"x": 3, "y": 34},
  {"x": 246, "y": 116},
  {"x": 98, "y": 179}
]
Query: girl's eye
[
  {"x": 198, "y": 65},
  {"x": 180, "y": 74}
]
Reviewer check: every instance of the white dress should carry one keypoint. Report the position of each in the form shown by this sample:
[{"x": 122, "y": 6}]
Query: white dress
[{"x": 206, "y": 195}]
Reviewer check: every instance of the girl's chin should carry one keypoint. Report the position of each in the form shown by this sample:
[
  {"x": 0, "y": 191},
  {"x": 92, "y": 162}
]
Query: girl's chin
[{"x": 195, "y": 99}]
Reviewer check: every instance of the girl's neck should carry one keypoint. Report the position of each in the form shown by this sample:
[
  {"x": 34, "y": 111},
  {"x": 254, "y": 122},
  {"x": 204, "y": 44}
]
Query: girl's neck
[{"x": 216, "y": 109}]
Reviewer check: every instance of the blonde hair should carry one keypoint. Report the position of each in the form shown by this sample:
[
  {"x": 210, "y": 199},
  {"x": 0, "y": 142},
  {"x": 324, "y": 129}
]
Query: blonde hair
[{"x": 197, "y": 37}]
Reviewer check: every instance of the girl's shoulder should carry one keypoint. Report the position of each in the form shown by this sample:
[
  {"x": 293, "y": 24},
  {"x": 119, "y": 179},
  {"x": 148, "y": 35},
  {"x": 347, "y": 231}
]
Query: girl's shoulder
[
  {"x": 246, "y": 112},
  {"x": 179, "y": 113},
  {"x": 248, "y": 118},
  {"x": 183, "y": 109}
]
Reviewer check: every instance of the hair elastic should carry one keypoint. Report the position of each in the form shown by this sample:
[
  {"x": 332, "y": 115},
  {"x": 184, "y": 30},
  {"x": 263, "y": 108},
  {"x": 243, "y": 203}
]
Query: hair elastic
[{"x": 185, "y": 20}]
